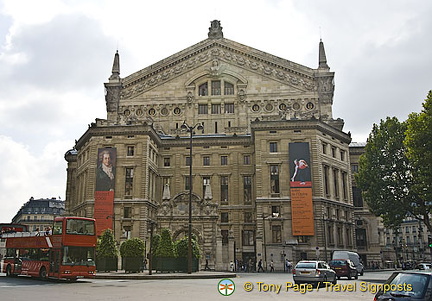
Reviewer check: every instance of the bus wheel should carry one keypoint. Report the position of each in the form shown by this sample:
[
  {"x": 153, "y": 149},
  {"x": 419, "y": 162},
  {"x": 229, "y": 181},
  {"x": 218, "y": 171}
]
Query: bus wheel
[
  {"x": 8, "y": 271},
  {"x": 43, "y": 273}
]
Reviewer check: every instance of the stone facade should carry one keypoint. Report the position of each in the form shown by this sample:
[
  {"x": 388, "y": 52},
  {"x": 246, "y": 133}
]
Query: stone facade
[{"x": 252, "y": 106}]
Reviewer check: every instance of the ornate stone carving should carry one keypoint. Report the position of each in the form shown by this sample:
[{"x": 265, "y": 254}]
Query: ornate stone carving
[{"x": 215, "y": 30}]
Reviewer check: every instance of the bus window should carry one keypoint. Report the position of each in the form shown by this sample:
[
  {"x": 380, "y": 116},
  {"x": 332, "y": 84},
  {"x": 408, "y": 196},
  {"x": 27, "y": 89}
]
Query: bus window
[
  {"x": 57, "y": 228},
  {"x": 78, "y": 256},
  {"x": 78, "y": 226}
]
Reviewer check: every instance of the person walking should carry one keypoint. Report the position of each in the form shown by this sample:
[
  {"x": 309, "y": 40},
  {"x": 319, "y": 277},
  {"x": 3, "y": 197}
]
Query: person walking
[
  {"x": 260, "y": 267},
  {"x": 271, "y": 266},
  {"x": 207, "y": 268}
]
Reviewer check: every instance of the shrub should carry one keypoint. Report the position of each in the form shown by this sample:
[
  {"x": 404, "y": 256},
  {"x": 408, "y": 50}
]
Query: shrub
[
  {"x": 133, "y": 247},
  {"x": 106, "y": 247},
  {"x": 166, "y": 246}
]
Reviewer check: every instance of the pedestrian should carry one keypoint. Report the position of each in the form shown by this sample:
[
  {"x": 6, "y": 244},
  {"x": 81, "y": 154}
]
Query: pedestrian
[
  {"x": 288, "y": 265},
  {"x": 206, "y": 266},
  {"x": 271, "y": 266},
  {"x": 260, "y": 267},
  {"x": 231, "y": 266}
]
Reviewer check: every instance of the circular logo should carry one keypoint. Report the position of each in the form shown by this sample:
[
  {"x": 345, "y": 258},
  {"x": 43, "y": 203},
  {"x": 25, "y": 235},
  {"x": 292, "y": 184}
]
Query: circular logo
[{"x": 226, "y": 287}]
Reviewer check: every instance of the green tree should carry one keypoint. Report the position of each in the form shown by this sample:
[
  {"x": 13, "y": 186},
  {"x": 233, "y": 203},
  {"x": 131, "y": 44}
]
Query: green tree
[
  {"x": 165, "y": 247},
  {"x": 385, "y": 176},
  {"x": 106, "y": 247},
  {"x": 133, "y": 247},
  {"x": 182, "y": 246},
  {"x": 418, "y": 142},
  {"x": 155, "y": 243}
]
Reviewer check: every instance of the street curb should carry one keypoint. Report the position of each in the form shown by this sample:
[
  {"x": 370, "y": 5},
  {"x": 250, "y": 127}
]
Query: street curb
[{"x": 169, "y": 276}]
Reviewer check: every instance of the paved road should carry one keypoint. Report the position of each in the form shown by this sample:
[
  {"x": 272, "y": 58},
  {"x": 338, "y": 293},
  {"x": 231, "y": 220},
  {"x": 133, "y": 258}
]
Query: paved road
[{"x": 266, "y": 286}]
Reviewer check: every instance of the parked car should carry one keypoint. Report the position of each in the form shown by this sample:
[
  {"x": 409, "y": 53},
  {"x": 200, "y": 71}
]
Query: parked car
[
  {"x": 313, "y": 271},
  {"x": 344, "y": 268},
  {"x": 424, "y": 266},
  {"x": 406, "y": 286}
]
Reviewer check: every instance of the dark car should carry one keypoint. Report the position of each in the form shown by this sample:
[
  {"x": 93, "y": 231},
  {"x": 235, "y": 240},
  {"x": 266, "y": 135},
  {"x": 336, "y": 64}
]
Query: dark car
[
  {"x": 406, "y": 286},
  {"x": 344, "y": 268}
]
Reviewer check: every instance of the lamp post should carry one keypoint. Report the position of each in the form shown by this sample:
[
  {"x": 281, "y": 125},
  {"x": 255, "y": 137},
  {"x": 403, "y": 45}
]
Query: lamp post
[
  {"x": 190, "y": 129},
  {"x": 150, "y": 254}
]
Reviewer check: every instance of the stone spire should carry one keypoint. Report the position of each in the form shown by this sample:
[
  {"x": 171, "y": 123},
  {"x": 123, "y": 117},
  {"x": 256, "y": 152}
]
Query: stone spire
[
  {"x": 215, "y": 30},
  {"x": 116, "y": 68},
  {"x": 322, "y": 57}
]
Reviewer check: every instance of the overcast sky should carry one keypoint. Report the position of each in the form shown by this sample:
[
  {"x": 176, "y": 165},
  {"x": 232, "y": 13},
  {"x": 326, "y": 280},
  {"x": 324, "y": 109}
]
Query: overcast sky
[{"x": 55, "y": 56}]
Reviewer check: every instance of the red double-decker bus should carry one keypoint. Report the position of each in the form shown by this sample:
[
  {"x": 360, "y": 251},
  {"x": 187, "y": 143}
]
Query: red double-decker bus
[{"x": 67, "y": 251}]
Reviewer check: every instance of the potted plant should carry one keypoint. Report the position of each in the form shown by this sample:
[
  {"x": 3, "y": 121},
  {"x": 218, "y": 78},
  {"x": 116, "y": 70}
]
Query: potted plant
[
  {"x": 106, "y": 252},
  {"x": 164, "y": 254},
  {"x": 182, "y": 248},
  {"x": 132, "y": 253}
]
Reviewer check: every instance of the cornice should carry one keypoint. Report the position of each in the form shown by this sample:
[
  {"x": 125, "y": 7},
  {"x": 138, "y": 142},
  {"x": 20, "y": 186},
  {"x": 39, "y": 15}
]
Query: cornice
[
  {"x": 300, "y": 125},
  {"x": 117, "y": 130}
]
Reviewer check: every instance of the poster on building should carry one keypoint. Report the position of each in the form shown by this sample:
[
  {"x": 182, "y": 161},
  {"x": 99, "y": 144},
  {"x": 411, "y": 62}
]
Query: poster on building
[
  {"x": 301, "y": 189},
  {"x": 104, "y": 191}
]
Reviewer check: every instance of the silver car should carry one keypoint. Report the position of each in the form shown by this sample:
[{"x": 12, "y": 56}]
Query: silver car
[{"x": 313, "y": 271}]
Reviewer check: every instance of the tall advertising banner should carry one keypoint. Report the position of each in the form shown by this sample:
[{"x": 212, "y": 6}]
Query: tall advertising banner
[
  {"x": 301, "y": 189},
  {"x": 104, "y": 191}
]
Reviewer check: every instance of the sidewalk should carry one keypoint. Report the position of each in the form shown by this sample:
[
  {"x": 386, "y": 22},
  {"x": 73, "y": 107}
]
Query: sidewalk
[{"x": 121, "y": 274}]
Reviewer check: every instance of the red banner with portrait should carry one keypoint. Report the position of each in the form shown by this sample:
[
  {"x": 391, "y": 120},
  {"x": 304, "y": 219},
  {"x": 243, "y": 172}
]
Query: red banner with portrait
[
  {"x": 104, "y": 191},
  {"x": 301, "y": 189}
]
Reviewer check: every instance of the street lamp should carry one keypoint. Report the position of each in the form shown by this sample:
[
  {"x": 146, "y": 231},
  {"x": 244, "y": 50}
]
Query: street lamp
[{"x": 190, "y": 129}]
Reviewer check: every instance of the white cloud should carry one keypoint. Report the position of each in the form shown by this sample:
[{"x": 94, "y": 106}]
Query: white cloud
[{"x": 24, "y": 174}]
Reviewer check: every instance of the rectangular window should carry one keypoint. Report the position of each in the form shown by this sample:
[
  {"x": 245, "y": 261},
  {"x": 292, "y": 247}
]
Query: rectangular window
[
  {"x": 326, "y": 180},
  {"x": 357, "y": 197},
  {"x": 206, "y": 161},
  {"x": 187, "y": 183},
  {"x": 206, "y": 181},
  {"x": 344, "y": 185},
  {"x": 216, "y": 87},
  {"x": 215, "y": 108},
  {"x": 188, "y": 161},
  {"x": 273, "y": 147},
  {"x": 361, "y": 237},
  {"x": 167, "y": 161},
  {"x": 336, "y": 182},
  {"x": 224, "y": 217},
  {"x": 248, "y": 237},
  {"x": 324, "y": 148},
  {"x": 247, "y": 189},
  {"x": 348, "y": 237},
  {"x": 276, "y": 234},
  {"x": 129, "y": 181},
  {"x": 202, "y": 109},
  {"x": 127, "y": 212},
  {"x": 228, "y": 88},
  {"x": 342, "y": 154},
  {"x": 274, "y": 179},
  {"x": 224, "y": 160},
  {"x": 224, "y": 188},
  {"x": 333, "y": 150},
  {"x": 229, "y": 108},
  {"x": 224, "y": 234},
  {"x": 330, "y": 235},
  {"x": 247, "y": 217},
  {"x": 275, "y": 211},
  {"x": 246, "y": 160},
  {"x": 130, "y": 150},
  {"x": 354, "y": 168}
]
